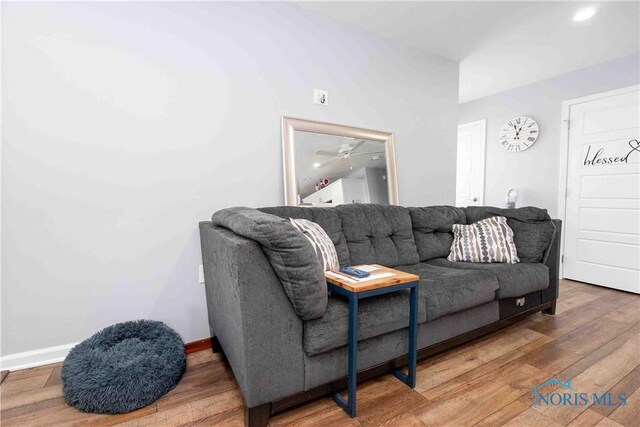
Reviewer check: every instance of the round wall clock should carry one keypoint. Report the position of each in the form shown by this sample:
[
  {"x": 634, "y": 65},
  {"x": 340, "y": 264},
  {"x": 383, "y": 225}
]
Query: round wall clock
[{"x": 519, "y": 134}]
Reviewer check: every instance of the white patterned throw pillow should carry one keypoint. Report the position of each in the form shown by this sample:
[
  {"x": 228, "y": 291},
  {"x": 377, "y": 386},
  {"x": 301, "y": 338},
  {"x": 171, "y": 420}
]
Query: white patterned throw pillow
[
  {"x": 489, "y": 240},
  {"x": 322, "y": 244}
]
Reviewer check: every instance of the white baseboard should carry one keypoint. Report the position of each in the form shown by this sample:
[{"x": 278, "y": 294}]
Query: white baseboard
[{"x": 33, "y": 358}]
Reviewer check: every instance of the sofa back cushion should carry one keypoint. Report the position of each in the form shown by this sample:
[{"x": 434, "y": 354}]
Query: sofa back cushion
[
  {"x": 291, "y": 255},
  {"x": 532, "y": 228},
  {"x": 432, "y": 229},
  {"x": 326, "y": 218},
  {"x": 379, "y": 234}
]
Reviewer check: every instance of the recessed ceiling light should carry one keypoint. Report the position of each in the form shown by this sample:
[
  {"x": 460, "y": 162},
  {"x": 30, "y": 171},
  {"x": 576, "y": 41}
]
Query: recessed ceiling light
[
  {"x": 316, "y": 164},
  {"x": 584, "y": 14}
]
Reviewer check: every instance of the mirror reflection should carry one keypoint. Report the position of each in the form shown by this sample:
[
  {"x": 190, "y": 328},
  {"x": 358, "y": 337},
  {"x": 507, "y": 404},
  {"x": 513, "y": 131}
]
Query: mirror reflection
[{"x": 334, "y": 170}]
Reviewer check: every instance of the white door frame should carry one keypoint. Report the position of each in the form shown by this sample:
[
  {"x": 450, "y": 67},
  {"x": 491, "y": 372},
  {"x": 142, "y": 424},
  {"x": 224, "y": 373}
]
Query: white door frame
[
  {"x": 564, "y": 154},
  {"x": 483, "y": 126}
]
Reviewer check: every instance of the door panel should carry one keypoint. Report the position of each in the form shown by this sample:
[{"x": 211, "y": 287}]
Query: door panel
[
  {"x": 602, "y": 238},
  {"x": 470, "y": 164},
  {"x": 607, "y": 220},
  {"x": 606, "y": 253},
  {"x": 613, "y": 186}
]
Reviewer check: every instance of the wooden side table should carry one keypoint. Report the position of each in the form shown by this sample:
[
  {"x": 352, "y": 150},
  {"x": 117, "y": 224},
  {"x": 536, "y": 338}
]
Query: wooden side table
[{"x": 361, "y": 290}]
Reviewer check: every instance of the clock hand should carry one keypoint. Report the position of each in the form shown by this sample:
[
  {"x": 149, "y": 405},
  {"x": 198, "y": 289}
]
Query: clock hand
[
  {"x": 523, "y": 123},
  {"x": 517, "y": 132}
]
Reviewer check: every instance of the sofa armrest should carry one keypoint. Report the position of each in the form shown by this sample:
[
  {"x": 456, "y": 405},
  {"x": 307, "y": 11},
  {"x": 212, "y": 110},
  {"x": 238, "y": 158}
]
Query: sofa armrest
[
  {"x": 251, "y": 316},
  {"x": 551, "y": 259}
]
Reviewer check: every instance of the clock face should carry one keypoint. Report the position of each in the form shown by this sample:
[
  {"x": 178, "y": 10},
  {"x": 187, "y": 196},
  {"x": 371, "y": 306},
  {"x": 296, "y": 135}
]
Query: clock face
[{"x": 519, "y": 134}]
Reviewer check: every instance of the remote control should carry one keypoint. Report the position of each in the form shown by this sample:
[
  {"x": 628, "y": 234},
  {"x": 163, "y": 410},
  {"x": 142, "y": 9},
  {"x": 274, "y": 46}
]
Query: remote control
[{"x": 360, "y": 274}]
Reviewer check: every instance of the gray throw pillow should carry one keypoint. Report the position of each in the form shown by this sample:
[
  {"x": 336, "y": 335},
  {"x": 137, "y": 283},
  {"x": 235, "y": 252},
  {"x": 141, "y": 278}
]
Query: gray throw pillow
[
  {"x": 322, "y": 244},
  {"x": 489, "y": 240},
  {"x": 291, "y": 255}
]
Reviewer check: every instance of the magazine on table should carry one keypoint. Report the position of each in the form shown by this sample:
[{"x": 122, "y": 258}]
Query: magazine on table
[{"x": 367, "y": 268}]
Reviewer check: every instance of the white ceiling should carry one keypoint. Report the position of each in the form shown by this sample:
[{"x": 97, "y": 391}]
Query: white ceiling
[{"x": 500, "y": 44}]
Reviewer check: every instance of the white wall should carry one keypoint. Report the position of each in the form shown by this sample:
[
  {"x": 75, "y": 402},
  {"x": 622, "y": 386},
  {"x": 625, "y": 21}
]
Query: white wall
[
  {"x": 124, "y": 124},
  {"x": 535, "y": 172}
]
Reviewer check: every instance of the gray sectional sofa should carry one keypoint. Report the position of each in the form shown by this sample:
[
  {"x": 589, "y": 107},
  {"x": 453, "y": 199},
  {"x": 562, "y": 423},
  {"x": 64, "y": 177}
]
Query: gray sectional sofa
[{"x": 281, "y": 358}]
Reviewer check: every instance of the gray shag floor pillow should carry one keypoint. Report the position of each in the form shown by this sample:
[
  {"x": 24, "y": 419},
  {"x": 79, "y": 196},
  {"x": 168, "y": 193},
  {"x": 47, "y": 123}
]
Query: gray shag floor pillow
[{"x": 123, "y": 367}]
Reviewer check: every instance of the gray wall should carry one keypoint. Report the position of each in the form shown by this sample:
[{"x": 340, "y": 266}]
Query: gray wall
[
  {"x": 127, "y": 123},
  {"x": 377, "y": 185},
  {"x": 535, "y": 172}
]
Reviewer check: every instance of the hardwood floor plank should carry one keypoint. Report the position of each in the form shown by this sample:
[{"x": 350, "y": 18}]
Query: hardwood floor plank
[
  {"x": 467, "y": 347},
  {"x": 452, "y": 367},
  {"x": 380, "y": 401},
  {"x": 54, "y": 377},
  {"x": 231, "y": 418},
  {"x": 3, "y": 375},
  {"x": 333, "y": 418},
  {"x": 480, "y": 371},
  {"x": 552, "y": 358},
  {"x": 12, "y": 386},
  {"x": 628, "y": 385},
  {"x": 19, "y": 399},
  {"x": 468, "y": 409},
  {"x": 560, "y": 325},
  {"x": 62, "y": 414},
  {"x": 535, "y": 345},
  {"x": 504, "y": 414},
  {"x": 606, "y": 422},
  {"x": 404, "y": 420},
  {"x": 568, "y": 286},
  {"x": 560, "y": 354},
  {"x": 213, "y": 378},
  {"x": 630, "y": 334},
  {"x": 583, "y": 364},
  {"x": 310, "y": 410},
  {"x": 532, "y": 418},
  {"x": 30, "y": 408},
  {"x": 598, "y": 378},
  {"x": 628, "y": 313},
  {"x": 204, "y": 356},
  {"x": 31, "y": 372},
  {"x": 483, "y": 396},
  {"x": 588, "y": 418},
  {"x": 629, "y": 414},
  {"x": 575, "y": 299},
  {"x": 382, "y": 408},
  {"x": 191, "y": 411}
]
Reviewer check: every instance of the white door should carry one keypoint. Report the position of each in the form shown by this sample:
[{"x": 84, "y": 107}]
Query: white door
[
  {"x": 602, "y": 217},
  {"x": 470, "y": 164}
]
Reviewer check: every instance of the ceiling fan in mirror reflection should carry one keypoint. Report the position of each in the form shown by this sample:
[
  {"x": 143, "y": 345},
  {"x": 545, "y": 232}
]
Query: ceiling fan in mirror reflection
[{"x": 345, "y": 152}]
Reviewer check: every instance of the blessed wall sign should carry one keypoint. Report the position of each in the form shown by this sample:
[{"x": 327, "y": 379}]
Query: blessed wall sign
[{"x": 612, "y": 153}]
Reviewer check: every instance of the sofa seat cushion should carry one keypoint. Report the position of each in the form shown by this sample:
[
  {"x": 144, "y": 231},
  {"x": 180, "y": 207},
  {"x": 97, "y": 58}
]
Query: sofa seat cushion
[
  {"x": 432, "y": 229},
  {"x": 378, "y": 234},
  {"x": 376, "y": 316},
  {"x": 514, "y": 279},
  {"x": 449, "y": 290}
]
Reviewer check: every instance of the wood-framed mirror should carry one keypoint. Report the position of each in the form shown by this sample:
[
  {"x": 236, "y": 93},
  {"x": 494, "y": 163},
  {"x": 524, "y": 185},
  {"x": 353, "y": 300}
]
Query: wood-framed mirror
[{"x": 326, "y": 164}]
